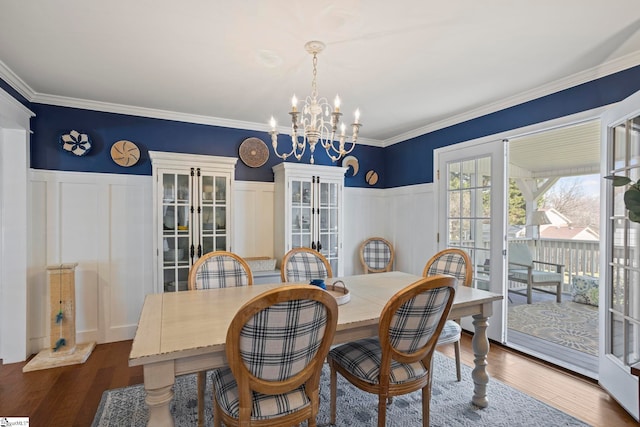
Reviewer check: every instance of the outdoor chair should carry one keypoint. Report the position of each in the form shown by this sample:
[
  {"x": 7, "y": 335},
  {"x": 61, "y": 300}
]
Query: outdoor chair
[
  {"x": 536, "y": 275},
  {"x": 453, "y": 262},
  {"x": 376, "y": 255},
  {"x": 303, "y": 264},
  {"x": 276, "y": 346},
  {"x": 219, "y": 269},
  {"x": 399, "y": 360}
]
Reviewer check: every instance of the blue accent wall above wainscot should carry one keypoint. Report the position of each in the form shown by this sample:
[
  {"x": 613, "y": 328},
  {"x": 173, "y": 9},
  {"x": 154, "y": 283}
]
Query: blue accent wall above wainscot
[
  {"x": 411, "y": 162},
  {"x": 148, "y": 134}
]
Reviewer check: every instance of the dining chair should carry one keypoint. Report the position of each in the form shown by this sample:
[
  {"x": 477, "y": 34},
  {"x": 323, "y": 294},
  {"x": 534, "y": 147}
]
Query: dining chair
[
  {"x": 453, "y": 262},
  {"x": 275, "y": 347},
  {"x": 218, "y": 269},
  {"x": 303, "y": 265},
  {"x": 376, "y": 255},
  {"x": 399, "y": 360}
]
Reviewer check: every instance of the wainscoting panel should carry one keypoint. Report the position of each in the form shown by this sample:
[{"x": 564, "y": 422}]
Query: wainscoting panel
[
  {"x": 413, "y": 215},
  {"x": 365, "y": 215},
  {"x": 104, "y": 222},
  {"x": 253, "y": 219}
]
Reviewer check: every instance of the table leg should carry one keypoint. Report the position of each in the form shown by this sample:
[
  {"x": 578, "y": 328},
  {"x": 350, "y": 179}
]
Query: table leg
[
  {"x": 480, "y": 345},
  {"x": 158, "y": 383}
]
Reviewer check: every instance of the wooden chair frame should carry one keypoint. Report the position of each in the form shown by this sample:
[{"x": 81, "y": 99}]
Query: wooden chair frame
[
  {"x": 383, "y": 388},
  {"x": 202, "y": 375},
  {"x": 292, "y": 252},
  {"x": 309, "y": 376},
  {"x": 468, "y": 279},
  {"x": 196, "y": 265},
  {"x": 365, "y": 265}
]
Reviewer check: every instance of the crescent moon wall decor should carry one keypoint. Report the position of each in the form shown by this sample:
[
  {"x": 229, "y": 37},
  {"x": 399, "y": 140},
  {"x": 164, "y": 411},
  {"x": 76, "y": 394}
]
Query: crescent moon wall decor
[{"x": 351, "y": 161}]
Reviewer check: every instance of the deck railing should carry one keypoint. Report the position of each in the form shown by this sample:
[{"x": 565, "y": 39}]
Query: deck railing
[{"x": 580, "y": 257}]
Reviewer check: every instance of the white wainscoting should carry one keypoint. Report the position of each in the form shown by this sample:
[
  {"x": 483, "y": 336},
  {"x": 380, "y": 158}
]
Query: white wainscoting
[
  {"x": 253, "y": 219},
  {"x": 412, "y": 212},
  {"x": 104, "y": 223}
]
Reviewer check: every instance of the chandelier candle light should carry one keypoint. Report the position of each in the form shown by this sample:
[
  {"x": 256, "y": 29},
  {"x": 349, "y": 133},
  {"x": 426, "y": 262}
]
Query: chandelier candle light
[{"x": 317, "y": 120}]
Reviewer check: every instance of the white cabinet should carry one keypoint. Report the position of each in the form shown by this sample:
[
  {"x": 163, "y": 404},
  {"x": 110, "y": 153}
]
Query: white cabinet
[
  {"x": 309, "y": 210},
  {"x": 192, "y": 212}
]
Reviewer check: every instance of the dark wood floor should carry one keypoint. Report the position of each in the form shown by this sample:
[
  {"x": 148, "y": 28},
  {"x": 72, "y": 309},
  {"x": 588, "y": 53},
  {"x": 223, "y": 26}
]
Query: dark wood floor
[{"x": 69, "y": 396}]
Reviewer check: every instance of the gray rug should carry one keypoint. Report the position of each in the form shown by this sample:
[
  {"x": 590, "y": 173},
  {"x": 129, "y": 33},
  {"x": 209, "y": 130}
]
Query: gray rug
[
  {"x": 450, "y": 404},
  {"x": 568, "y": 324}
]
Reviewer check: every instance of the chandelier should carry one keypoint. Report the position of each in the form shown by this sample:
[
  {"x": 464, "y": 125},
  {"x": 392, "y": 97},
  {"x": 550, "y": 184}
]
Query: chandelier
[{"x": 318, "y": 122}]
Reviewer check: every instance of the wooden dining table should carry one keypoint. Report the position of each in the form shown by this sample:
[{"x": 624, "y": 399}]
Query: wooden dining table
[{"x": 184, "y": 332}]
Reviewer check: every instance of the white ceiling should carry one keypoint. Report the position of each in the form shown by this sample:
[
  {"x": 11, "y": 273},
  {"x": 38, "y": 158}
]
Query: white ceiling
[{"x": 410, "y": 66}]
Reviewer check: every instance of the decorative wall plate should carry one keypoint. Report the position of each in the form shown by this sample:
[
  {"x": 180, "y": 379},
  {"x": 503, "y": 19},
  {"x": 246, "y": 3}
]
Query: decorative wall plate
[
  {"x": 371, "y": 177},
  {"x": 254, "y": 152},
  {"x": 75, "y": 142},
  {"x": 125, "y": 153}
]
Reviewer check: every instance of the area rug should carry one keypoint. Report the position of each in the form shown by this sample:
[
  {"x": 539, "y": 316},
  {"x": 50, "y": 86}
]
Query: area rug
[
  {"x": 450, "y": 404},
  {"x": 569, "y": 324}
]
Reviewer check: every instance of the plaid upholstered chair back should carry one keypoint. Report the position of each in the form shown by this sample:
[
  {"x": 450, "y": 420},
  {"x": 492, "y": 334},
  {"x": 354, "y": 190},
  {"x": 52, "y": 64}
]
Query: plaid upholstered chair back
[
  {"x": 453, "y": 262},
  {"x": 219, "y": 269},
  {"x": 415, "y": 320},
  {"x": 376, "y": 255},
  {"x": 304, "y": 264},
  {"x": 277, "y": 344}
]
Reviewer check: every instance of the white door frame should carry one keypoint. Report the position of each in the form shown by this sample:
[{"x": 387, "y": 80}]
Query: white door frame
[
  {"x": 613, "y": 376},
  {"x": 496, "y": 150}
]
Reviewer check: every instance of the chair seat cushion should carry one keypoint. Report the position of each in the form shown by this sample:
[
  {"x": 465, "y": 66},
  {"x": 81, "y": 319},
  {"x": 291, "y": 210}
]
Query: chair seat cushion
[
  {"x": 362, "y": 359},
  {"x": 450, "y": 333},
  {"x": 264, "y": 406},
  {"x": 538, "y": 276}
]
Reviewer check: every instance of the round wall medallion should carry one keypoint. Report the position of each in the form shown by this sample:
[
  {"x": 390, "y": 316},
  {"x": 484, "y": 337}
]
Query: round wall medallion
[
  {"x": 371, "y": 177},
  {"x": 125, "y": 153},
  {"x": 75, "y": 142},
  {"x": 254, "y": 152}
]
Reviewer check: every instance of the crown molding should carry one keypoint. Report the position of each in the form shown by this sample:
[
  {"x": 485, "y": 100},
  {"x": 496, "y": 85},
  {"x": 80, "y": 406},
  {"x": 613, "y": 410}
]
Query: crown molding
[
  {"x": 16, "y": 82},
  {"x": 594, "y": 73},
  {"x": 591, "y": 74}
]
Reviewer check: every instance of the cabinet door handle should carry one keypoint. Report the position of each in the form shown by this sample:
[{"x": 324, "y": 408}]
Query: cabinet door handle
[
  {"x": 319, "y": 246},
  {"x": 191, "y": 252},
  {"x": 199, "y": 250},
  {"x": 313, "y": 245}
]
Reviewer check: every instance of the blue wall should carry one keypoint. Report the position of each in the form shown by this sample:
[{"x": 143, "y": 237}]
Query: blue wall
[
  {"x": 406, "y": 163},
  {"x": 411, "y": 161},
  {"x": 157, "y": 135}
]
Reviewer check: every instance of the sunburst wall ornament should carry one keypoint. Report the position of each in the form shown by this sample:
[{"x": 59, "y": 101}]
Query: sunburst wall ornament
[{"x": 75, "y": 142}]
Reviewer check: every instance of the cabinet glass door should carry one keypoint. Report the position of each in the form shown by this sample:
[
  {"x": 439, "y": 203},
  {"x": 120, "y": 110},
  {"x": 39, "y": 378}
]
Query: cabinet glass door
[
  {"x": 328, "y": 227},
  {"x": 301, "y": 209},
  {"x": 213, "y": 214},
  {"x": 176, "y": 203}
]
